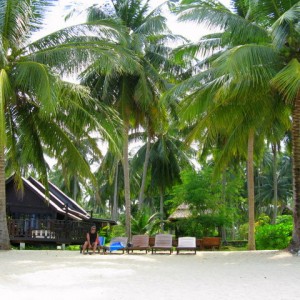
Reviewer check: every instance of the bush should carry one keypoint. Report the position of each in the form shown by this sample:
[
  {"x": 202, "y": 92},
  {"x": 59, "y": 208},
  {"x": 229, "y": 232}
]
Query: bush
[
  {"x": 243, "y": 231},
  {"x": 285, "y": 219},
  {"x": 278, "y": 236}
]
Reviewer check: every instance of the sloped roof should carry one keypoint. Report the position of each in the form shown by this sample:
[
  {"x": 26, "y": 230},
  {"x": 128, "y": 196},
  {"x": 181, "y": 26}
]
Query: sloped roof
[
  {"x": 61, "y": 200},
  {"x": 57, "y": 201},
  {"x": 182, "y": 212}
]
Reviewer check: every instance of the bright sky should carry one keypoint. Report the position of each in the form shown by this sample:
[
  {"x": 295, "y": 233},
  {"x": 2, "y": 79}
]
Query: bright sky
[{"x": 56, "y": 21}]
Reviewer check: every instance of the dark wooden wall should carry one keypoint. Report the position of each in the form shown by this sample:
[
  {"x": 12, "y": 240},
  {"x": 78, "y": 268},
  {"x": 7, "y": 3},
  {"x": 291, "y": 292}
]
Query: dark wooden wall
[{"x": 28, "y": 202}]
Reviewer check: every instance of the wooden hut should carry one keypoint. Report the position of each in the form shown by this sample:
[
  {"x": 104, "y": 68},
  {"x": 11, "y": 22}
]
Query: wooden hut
[
  {"x": 35, "y": 216},
  {"x": 182, "y": 212}
]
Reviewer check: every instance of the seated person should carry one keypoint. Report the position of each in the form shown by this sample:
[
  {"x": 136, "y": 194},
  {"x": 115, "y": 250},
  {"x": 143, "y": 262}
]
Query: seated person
[{"x": 92, "y": 240}]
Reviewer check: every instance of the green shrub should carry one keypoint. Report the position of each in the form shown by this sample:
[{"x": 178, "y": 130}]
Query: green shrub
[
  {"x": 276, "y": 236},
  {"x": 243, "y": 231},
  {"x": 118, "y": 230},
  {"x": 189, "y": 227},
  {"x": 284, "y": 219}
]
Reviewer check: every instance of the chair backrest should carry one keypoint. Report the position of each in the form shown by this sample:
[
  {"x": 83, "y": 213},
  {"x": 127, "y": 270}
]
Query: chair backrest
[
  {"x": 188, "y": 242},
  {"x": 163, "y": 240},
  {"x": 122, "y": 240},
  {"x": 101, "y": 240},
  {"x": 140, "y": 241}
]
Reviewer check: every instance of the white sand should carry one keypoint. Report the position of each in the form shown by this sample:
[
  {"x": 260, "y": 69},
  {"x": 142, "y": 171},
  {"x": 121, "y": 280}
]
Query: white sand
[{"x": 53, "y": 275}]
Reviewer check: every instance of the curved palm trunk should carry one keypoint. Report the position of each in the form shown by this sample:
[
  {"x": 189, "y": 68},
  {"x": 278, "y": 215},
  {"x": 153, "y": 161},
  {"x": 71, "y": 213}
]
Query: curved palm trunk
[
  {"x": 115, "y": 201},
  {"x": 4, "y": 236},
  {"x": 145, "y": 169},
  {"x": 275, "y": 183},
  {"x": 296, "y": 171},
  {"x": 250, "y": 181},
  {"x": 126, "y": 181}
]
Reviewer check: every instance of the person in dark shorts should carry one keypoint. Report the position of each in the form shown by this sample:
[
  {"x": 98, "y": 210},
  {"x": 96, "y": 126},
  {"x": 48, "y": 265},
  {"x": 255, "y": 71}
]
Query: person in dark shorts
[{"x": 92, "y": 240}]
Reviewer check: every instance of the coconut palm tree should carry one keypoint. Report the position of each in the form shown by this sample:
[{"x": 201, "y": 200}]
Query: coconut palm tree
[
  {"x": 39, "y": 113},
  {"x": 228, "y": 78},
  {"x": 134, "y": 92}
]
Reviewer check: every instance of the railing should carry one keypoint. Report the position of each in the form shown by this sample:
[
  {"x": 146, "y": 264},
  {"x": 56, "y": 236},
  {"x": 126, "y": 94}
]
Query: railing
[{"x": 65, "y": 232}]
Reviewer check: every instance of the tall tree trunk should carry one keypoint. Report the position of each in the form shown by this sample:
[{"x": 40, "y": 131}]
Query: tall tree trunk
[
  {"x": 115, "y": 201},
  {"x": 4, "y": 236},
  {"x": 126, "y": 180},
  {"x": 223, "y": 230},
  {"x": 275, "y": 183},
  {"x": 250, "y": 181},
  {"x": 161, "y": 208},
  {"x": 145, "y": 169},
  {"x": 296, "y": 171}
]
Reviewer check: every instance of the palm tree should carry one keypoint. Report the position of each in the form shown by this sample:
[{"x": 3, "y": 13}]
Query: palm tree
[
  {"x": 229, "y": 79},
  {"x": 39, "y": 113},
  {"x": 265, "y": 182},
  {"x": 135, "y": 91},
  {"x": 166, "y": 159}
]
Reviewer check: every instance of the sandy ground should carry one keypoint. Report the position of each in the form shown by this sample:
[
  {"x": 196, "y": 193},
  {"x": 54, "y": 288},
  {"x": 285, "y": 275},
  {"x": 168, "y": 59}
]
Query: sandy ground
[{"x": 207, "y": 275}]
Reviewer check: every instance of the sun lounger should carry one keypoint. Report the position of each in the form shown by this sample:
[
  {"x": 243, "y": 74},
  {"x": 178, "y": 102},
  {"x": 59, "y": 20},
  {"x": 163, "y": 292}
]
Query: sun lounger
[
  {"x": 139, "y": 242},
  {"x": 117, "y": 243},
  {"x": 186, "y": 244},
  {"x": 163, "y": 242}
]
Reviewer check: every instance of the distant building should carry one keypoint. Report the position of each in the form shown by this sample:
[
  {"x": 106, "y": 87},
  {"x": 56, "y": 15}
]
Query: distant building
[{"x": 35, "y": 216}]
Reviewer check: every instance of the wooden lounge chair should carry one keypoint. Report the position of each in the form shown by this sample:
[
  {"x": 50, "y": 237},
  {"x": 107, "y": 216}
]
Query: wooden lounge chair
[
  {"x": 117, "y": 240},
  {"x": 186, "y": 244},
  {"x": 163, "y": 242},
  {"x": 139, "y": 242}
]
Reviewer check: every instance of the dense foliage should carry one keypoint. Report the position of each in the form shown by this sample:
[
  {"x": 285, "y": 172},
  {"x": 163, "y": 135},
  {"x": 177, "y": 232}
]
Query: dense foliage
[{"x": 277, "y": 236}]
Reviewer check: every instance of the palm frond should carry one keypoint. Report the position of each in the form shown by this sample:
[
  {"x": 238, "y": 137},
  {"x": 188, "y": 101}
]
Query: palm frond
[
  {"x": 5, "y": 95},
  {"x": 206, "y": 46},
  {"x": 154, "y": 25},
  {"x": 285, "y": 26},
  {"x": 213, "y": 14},
  {"x": 287, "y": 81},
  {"x": 35, "y": 79},
  {"x": 255, "y": 62}
]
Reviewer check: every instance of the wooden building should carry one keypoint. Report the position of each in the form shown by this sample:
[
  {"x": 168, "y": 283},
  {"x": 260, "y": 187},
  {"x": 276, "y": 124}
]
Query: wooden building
[{"x": 35, "y": 216}]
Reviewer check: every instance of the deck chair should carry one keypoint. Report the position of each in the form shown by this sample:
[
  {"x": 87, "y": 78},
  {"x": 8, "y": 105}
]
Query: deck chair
[
  {"x": 139, "y": 242},
  {"x": 163, "y": 242},
  {"x": 186, "y": 244},
  {"x": 117, "y": 243},
  {"x": 101, "y": 243}
]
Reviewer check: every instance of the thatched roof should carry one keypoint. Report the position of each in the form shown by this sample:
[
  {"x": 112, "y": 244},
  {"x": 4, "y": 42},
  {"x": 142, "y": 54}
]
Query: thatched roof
[{"x": 181, "y": 212}]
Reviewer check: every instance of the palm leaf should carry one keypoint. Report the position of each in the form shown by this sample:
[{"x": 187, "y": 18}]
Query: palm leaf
[
  {"x": 5, "y": 94},
  {"x": 287, "y": 81},
  {"x": 285, "y": 26},
  {"x": 213, "y": 14}
]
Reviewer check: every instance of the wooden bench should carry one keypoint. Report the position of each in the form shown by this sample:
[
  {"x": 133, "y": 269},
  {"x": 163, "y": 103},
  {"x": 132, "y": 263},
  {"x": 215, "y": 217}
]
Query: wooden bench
[{"x": 211, "y": 243}]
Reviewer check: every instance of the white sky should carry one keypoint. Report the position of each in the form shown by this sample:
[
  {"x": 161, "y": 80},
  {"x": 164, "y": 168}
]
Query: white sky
[{"x": 55, "y": 19}]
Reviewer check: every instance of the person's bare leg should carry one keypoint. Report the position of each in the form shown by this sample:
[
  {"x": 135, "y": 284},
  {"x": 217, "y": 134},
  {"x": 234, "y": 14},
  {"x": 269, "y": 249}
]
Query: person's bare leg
[
  {"x": 85, "y": 245},
  {"x": 94, "y": 247}
]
